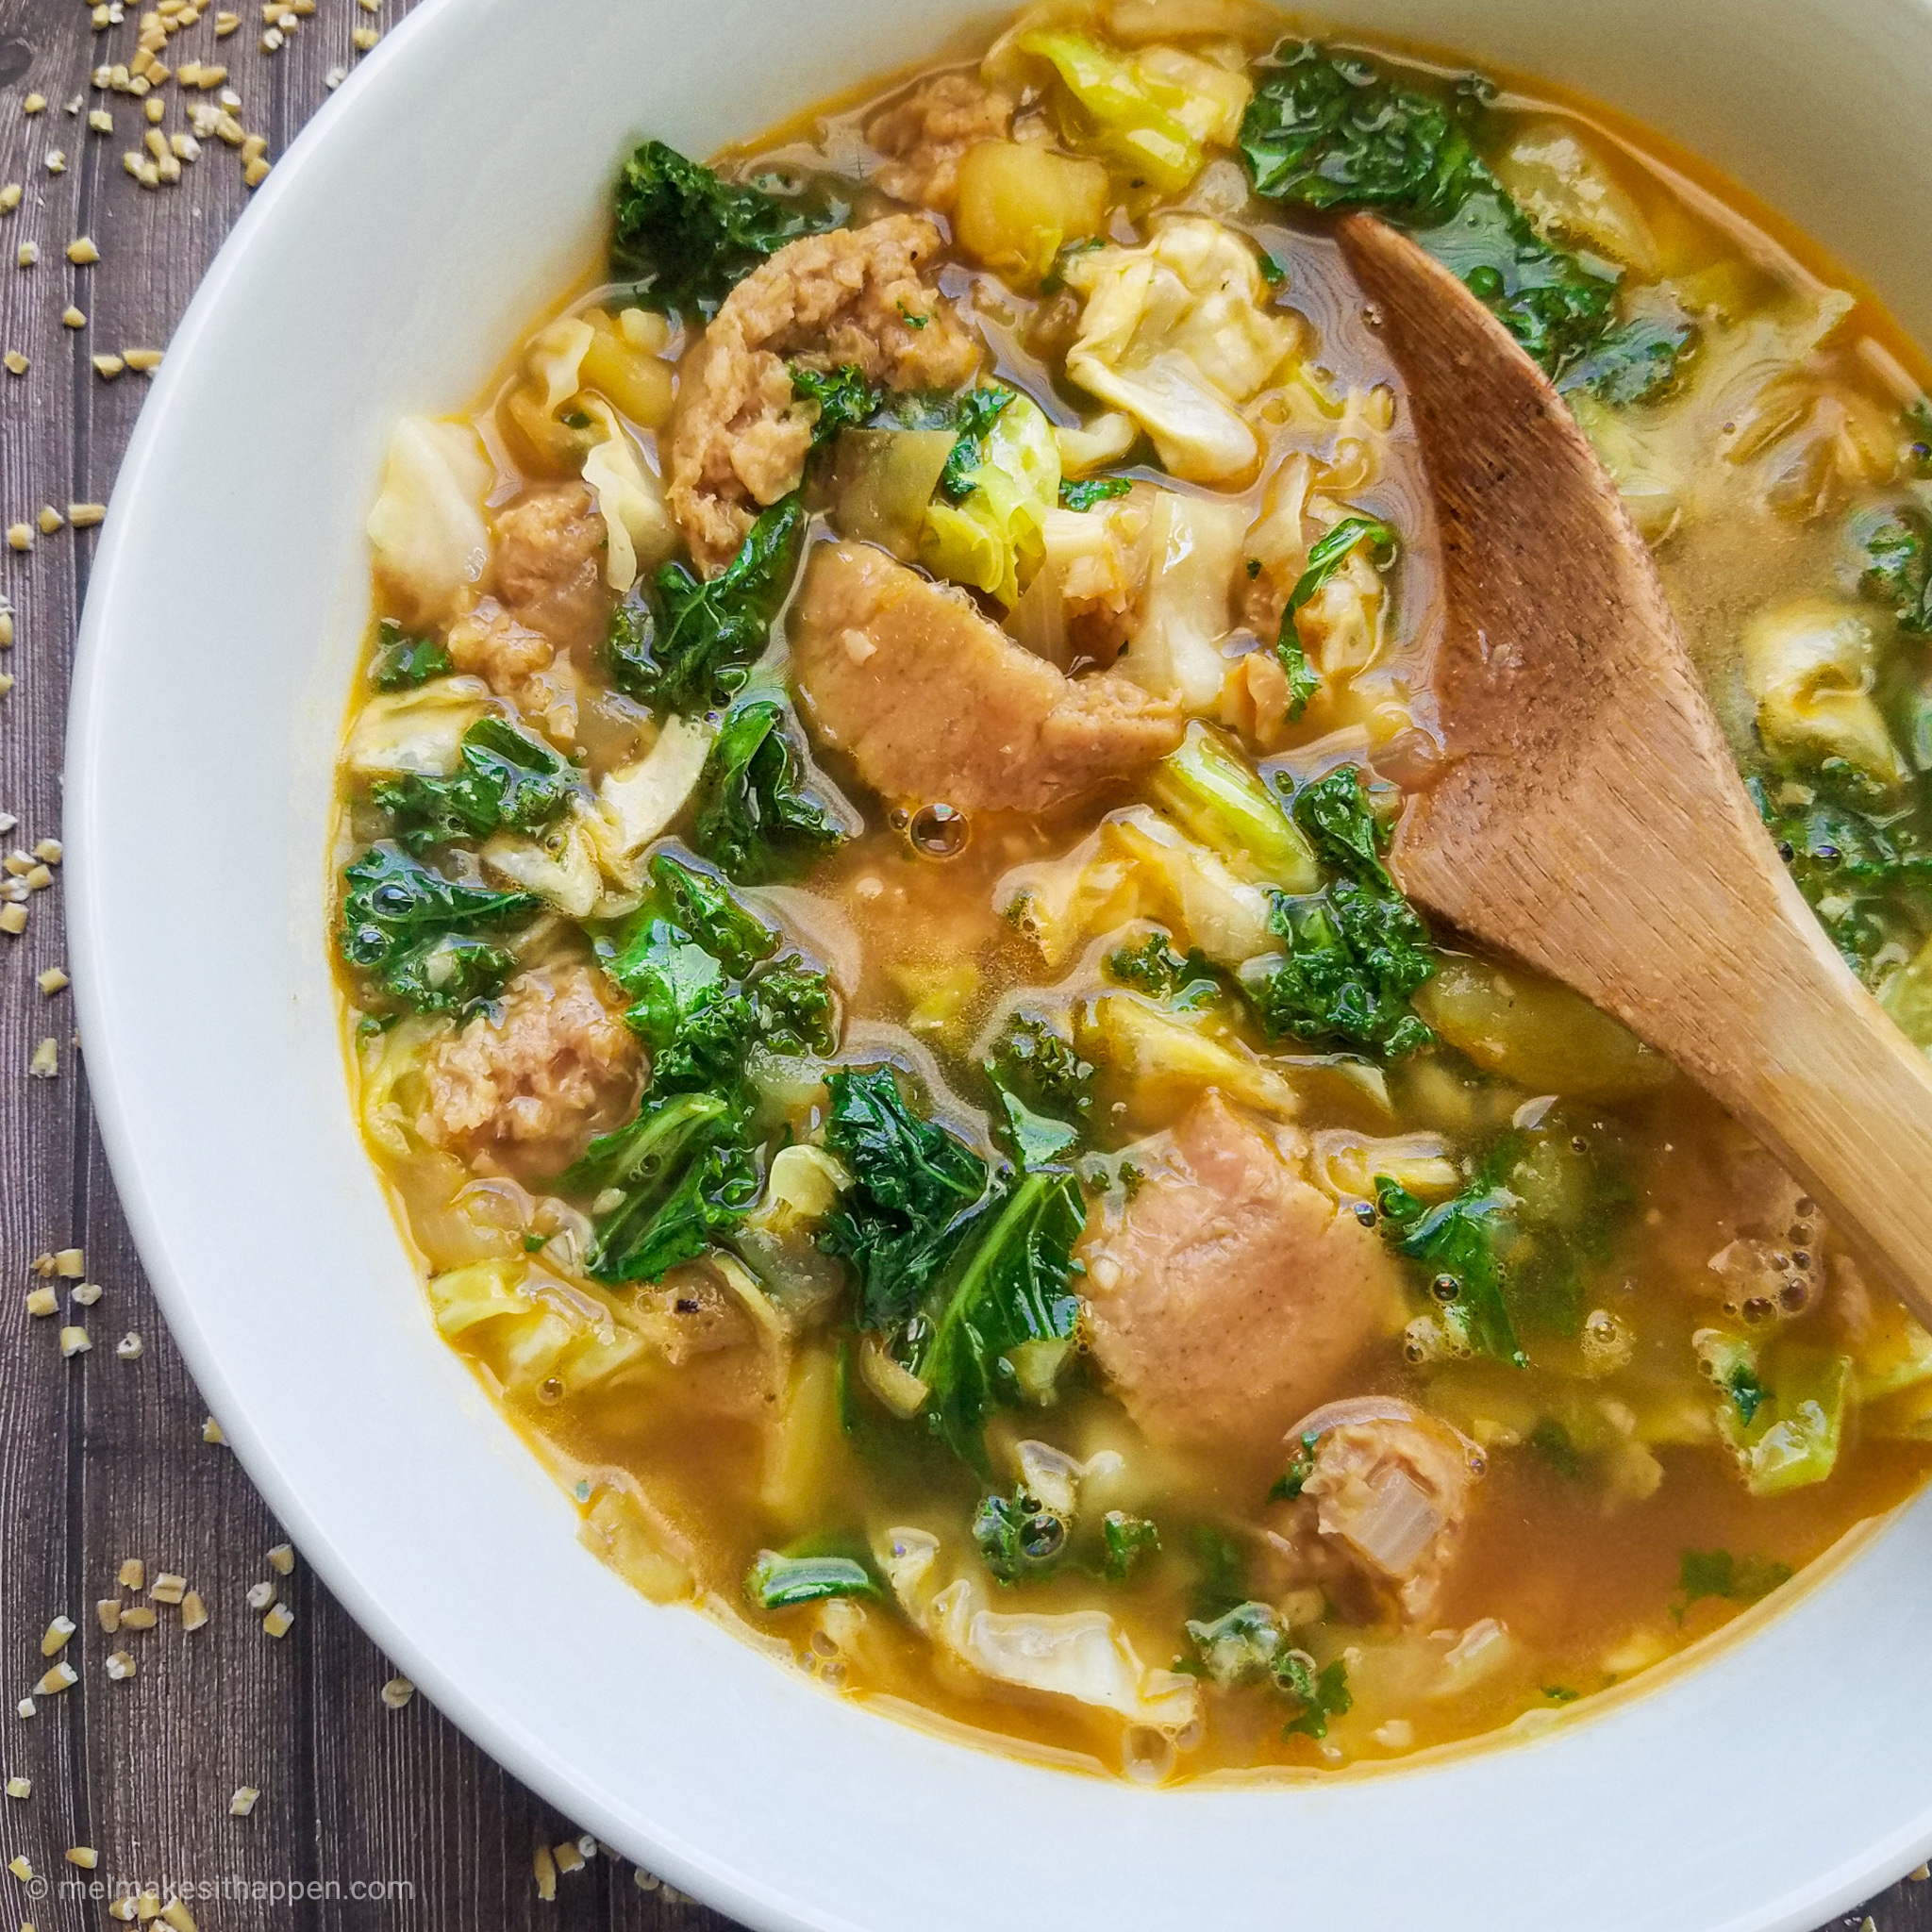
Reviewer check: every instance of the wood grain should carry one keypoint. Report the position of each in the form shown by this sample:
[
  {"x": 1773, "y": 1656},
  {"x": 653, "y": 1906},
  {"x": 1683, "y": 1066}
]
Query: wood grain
[
  {"x": 103, "y": 1458},
  {"x": 1589, "y": 816}
]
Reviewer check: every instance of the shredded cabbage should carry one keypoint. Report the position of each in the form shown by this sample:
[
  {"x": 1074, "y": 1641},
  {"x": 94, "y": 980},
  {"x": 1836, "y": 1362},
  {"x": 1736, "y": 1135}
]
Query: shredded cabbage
[
  {"x": 640, "y": 800},
  {"x": 1810, "y": 667},
  {"x": 556, "y": 359},
  {"x": 995, "y": 538},
  {"x": 1185, "y": 613},
  {"x": 1179, "y": 335},
  {"x": 419, "y": 731},
  {"x": 561, "y": 865},
  {"x": 641, "y": 535},
  {"x": 428, "y": 529},
  {"x": 1153, "y": 112},
  {"x": 530, "y": 1329}
]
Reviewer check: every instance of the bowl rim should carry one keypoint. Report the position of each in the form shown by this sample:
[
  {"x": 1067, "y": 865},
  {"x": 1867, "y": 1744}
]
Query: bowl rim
[{"x": 759, "y": 1899}]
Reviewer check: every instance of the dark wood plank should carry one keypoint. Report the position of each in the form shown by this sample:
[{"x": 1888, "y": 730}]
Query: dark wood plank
[{"x": 106, "y": 1459}]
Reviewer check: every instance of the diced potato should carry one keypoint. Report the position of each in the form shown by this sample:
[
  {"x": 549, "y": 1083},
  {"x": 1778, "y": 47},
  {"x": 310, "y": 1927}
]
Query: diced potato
[
  {"x": 1020, "y": 203},
  {"x": 1810, "y": 667},
  {"x": 1539, "y": 1034},
  {"x": 806, "y": 1443},
  {"x": 638, "y": 384}
]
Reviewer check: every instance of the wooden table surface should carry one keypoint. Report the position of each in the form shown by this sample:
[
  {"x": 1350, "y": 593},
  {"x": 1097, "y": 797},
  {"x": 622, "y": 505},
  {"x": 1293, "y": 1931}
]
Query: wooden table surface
[{"x": 368, "y": 1817}]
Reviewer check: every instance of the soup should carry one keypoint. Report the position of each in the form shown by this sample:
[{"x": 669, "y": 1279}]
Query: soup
[{"x": 874, "y": 967}]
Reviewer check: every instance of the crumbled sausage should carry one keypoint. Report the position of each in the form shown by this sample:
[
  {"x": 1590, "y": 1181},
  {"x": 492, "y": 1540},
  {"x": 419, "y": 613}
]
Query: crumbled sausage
[
  {"x": 550, "y": 555},
  {"x": 493, "y": 645},
  {"x": 853, "y": 296},
  {"x": 1231, "y": 1294},
  {"x": 525, "y": 1091},
  {"x": 924, "y": 137},
  {"x": 933, "y": 702}
]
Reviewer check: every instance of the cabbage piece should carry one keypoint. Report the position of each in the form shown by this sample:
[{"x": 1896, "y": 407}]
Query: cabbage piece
[
  {"x": 392, "y": 1093},
  {"x": 994, "y": 539},
  {"x": 1153, "y": 112},
  {"x": 1165, "y": 1060},
  {"x": 1908, "y": 998},
  {"x": 1188, "y": 890},
  {"x": 560, "y": 866},
  {"x": 1785, "y": 1425},
  {"x": 430, "y": 540},
  {"x": 529, "y": 1329},
  {"x": 1179, "y": 335},
  {"x": 640, "y": 799},
  {"x": 1019, "y": 203},
  {"x": 1077, "y": 1654},
  {"x": 1187, "y": 609},
  {"x": 1895, "y": 1352},
  {"x": 1220, "y": 798},
  {"x": 418, "y": 731},
  {"x": 1094, "y": 445},
  {"x": 1563, "y": 183},
  {"x": 555, "y": 359},
  {"x": 640, "y": 535},
  {"x": 1347, "y": 1165},
  {"x": 1810, "y": 667},
  {"x": 623, "y": 1531},
  {"x": 882, "y": 481}
]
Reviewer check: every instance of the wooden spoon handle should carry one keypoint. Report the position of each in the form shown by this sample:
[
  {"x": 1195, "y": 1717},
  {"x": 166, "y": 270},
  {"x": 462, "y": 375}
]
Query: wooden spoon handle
[{"x": 1818, "y": 1071}]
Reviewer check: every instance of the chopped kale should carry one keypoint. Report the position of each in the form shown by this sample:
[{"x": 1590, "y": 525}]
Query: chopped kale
[
  {"x": 778, "y": 1582},
  {"x": 507, "y": 778},
  {"x": 844, "y": 396},
  {"x": 1717, "y": 1573},
  {"x": 958, "y": 1266},
  {"x": 1325, "y": 557},
  {"x": 1154, "y": 967},
  {"x": 919, "y": 1189},
  {"x": 1746, "y": 1391},
  {"x": 1863, "y": 862},
  {"x": 1323, "y": 1693},
  {"x": 687, "y": 644},
  {"x": 1287, "y": 1485},
  {"x": 686, "y": 237},
  {"x": 401, "y": 663},
  {"x": 1222, "y": 1579},
  {"x": 1897, "y": 549},
  {"x": 1332, "y": 132},
  {"x": 681, "y": 1177},
  {"x": 1357, "y": 950},
  {"x": 973, "y": 414},
  {"x": 757, "y": 817},
  {"x": 1046, "y": 1090},
  {"x": 1551, "y": 1440},
  {"x": 1457, "y": 1242},
  {"x": 1128, "y": 1542},
  {"x": 1637, "y": 362},
  {"x": 1015, "y": 1287},
  {"x": 418, "y": 934},
  {"x": 1017, "y": 1537},
  {"x": 1084, "y": 492}
]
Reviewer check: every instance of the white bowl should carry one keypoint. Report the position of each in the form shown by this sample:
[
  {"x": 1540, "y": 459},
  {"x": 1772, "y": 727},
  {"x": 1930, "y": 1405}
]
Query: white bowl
[{"x": 455, "y": 183}]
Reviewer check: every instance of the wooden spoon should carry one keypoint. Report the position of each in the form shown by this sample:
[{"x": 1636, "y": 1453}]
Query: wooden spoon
[{"x": 1590, "y": 819}]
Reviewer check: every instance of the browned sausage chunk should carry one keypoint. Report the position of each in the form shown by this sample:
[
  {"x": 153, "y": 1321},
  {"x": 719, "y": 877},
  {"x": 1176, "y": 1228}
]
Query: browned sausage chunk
[
  {"x": 924, "y": 137},
  {"x": 550, "y": 548},
  {"x": 932, "y": 702},
  {"x": 1232, "y": 1295}
]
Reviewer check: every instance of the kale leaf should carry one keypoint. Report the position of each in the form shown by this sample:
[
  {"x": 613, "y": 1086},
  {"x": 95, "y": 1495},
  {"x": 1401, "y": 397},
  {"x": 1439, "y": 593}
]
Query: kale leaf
[
  {"x": 1084, "y": 492},
  {"x": 1248, "y": 1644},
  {"x": 1154, "y": 967},
  {"x": 687, "y": 237},
  {"x": 1357, "y": 950},
  {"x": 1046, "y": 1090},
  {"x": 507, "y": 778},
  {"x": 844, "y": 396},
  {"x": 1863, "y": 864},
  {"x": 974, "y": 413},
  {"x": 1717, "y": 1573},
  {"x": 1332, "y": 132},
  {"x": 758, "y": 818},
  {"x": 1898, "y": 566},
  {"x": 1017, "y": 1537},
  {"x": 687, "y": 644},
  {"x": 1457, "y": 1242},
  {"x": 1326, "y": 557},
  {"x": 401, "y": 663},
  {"x": 957, "y": 1265},
  {"x": 1323, "y": 1693},
  {"x": 418, "y": 934},
  {"x": 919, "y": 1191},
  {"x": 1016, "y": 1286},
  {"x": 1127, "y": 1541},
  {"x": 682, "y": 1174}
]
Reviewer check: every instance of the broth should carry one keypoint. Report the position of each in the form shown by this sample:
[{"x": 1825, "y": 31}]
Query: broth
[{"x": 1212, "y": 1136}]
